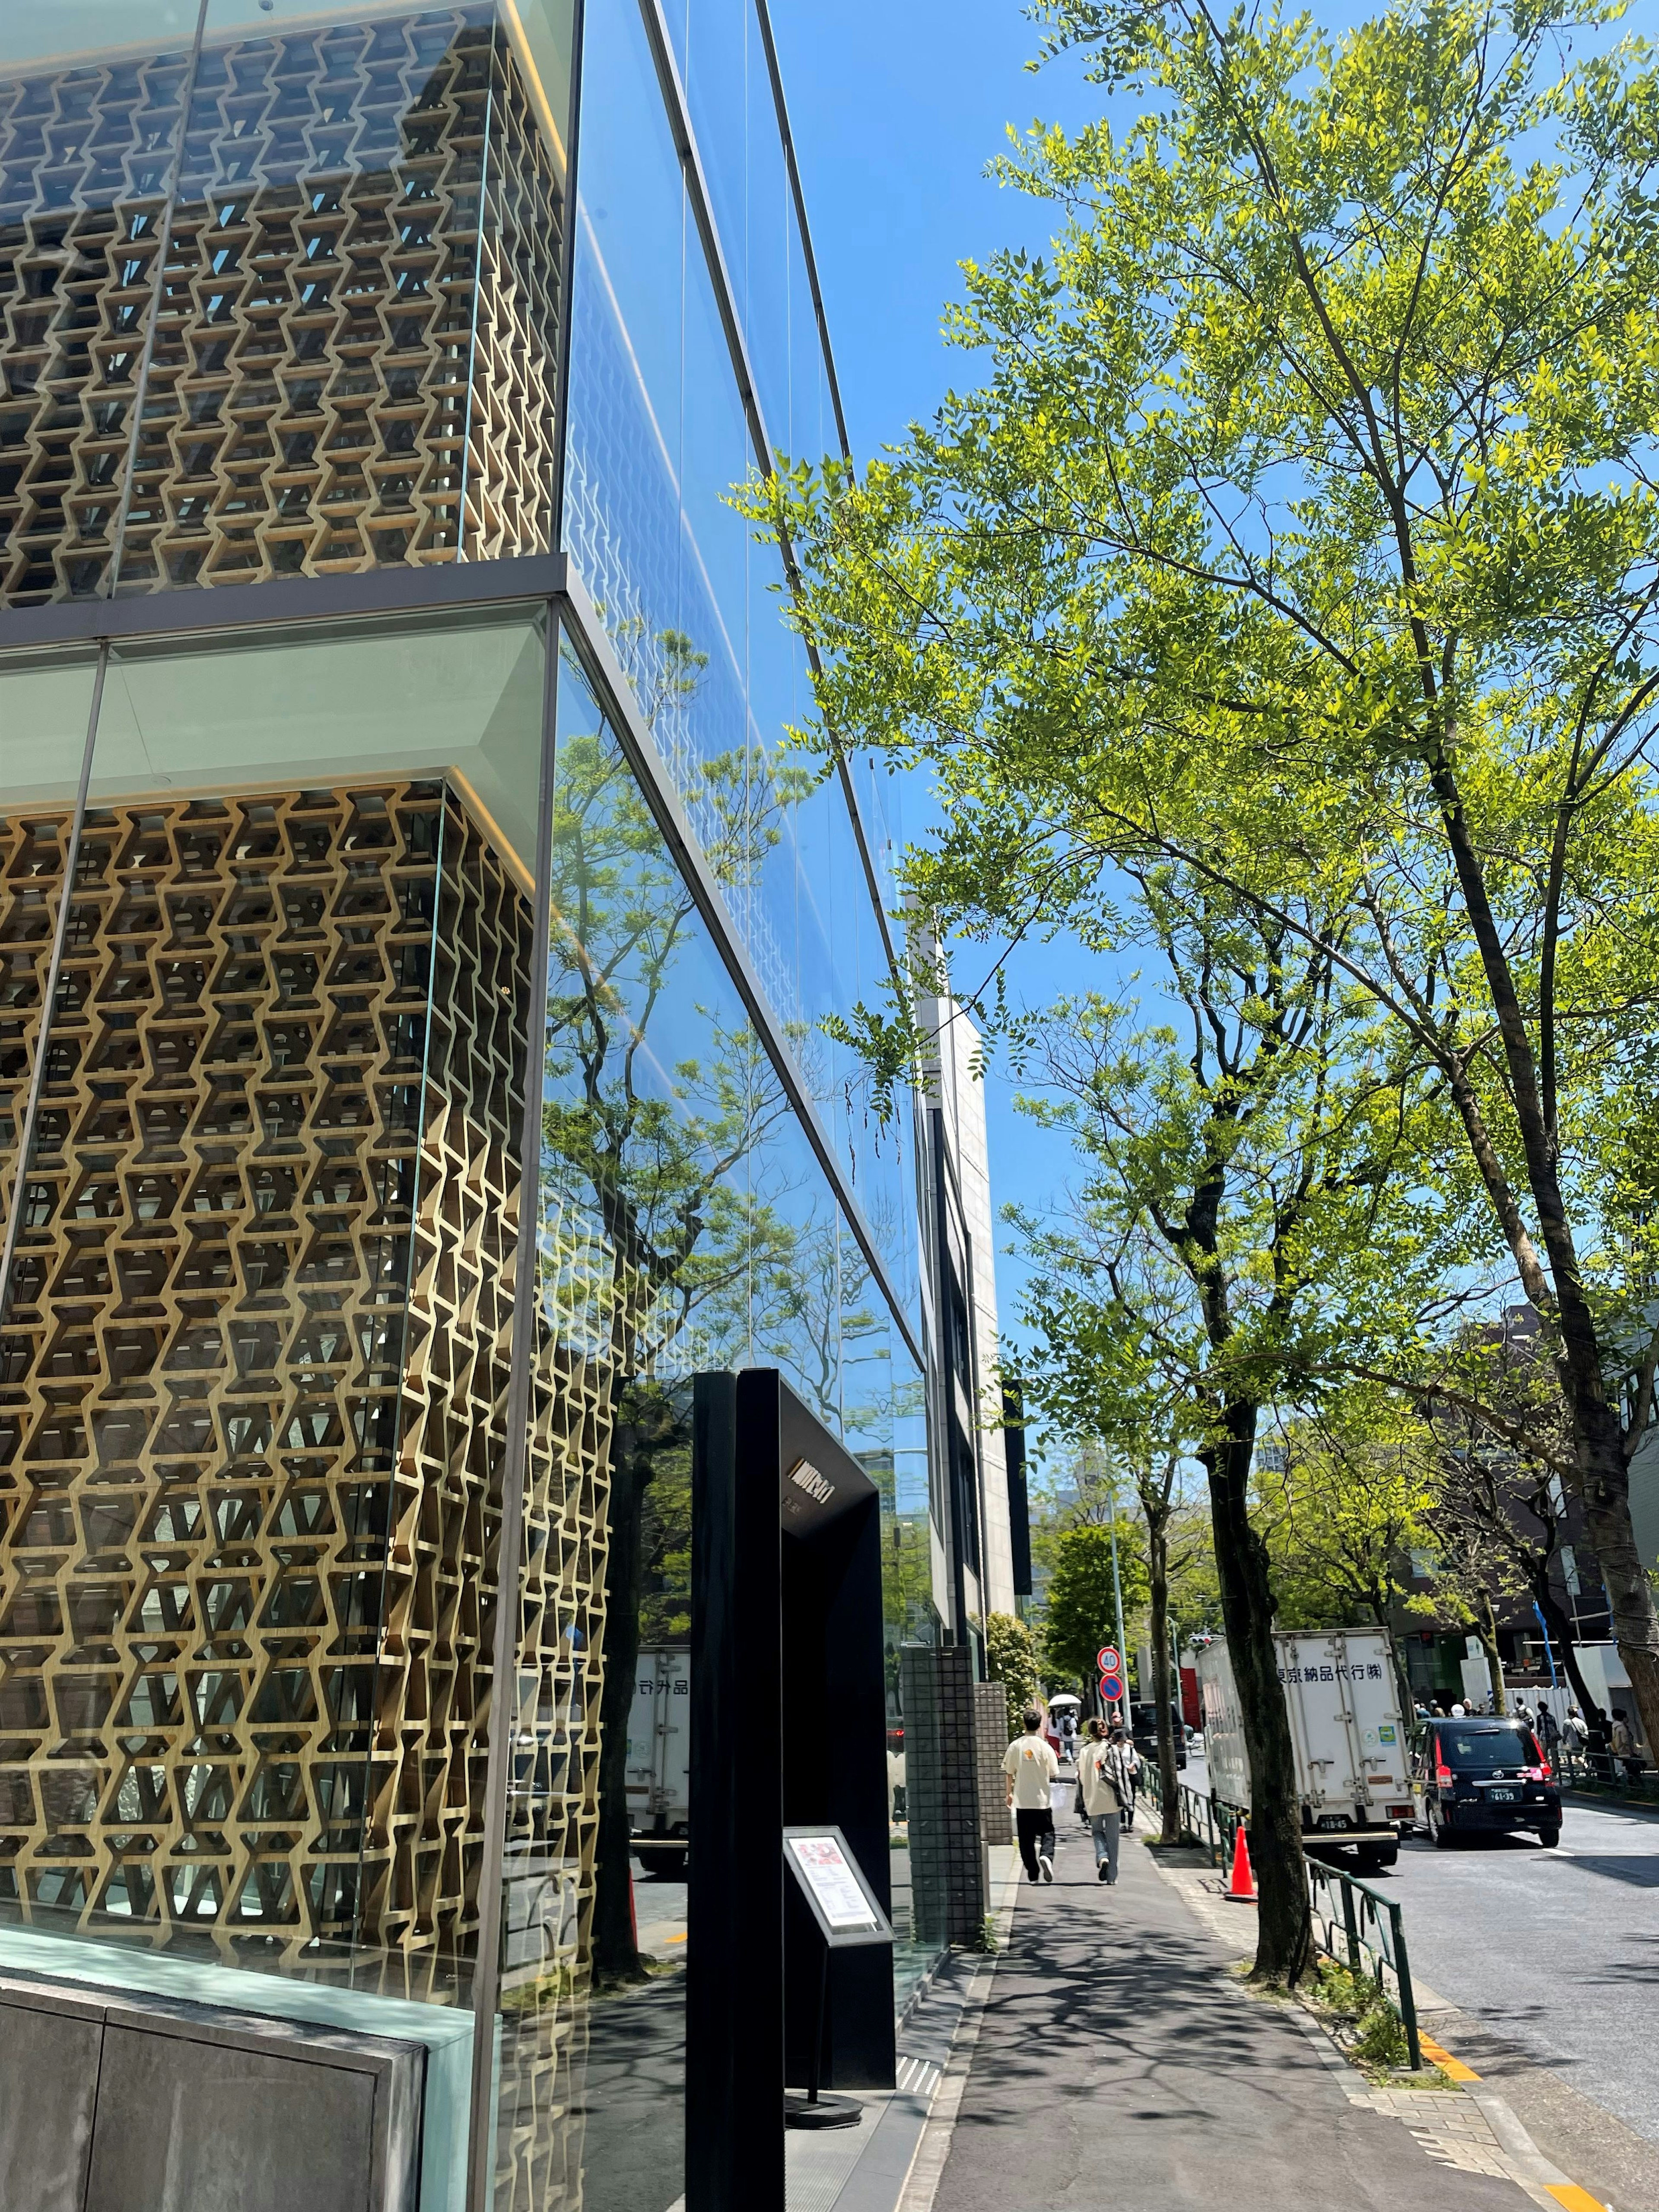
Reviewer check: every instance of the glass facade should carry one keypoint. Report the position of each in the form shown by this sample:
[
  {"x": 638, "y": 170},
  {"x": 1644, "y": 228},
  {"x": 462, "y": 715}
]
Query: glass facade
[{"x": 398, "y": 1106}]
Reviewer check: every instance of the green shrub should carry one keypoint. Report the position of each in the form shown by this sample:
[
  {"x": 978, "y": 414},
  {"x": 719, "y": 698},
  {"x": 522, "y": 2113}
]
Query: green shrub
[
  {"x": 1011, "y": 1659},
  {"x": 1341, "y": 1990},
  {"x": 1380, "y": 2039}
]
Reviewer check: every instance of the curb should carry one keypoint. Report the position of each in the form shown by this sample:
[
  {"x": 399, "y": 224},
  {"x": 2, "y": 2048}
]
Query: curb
[{"x": 1526, "y": 2164}]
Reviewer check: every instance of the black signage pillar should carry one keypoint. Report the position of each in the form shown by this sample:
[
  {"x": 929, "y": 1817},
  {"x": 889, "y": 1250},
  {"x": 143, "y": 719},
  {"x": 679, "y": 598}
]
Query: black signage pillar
[{"x": 788, "y": 1721}]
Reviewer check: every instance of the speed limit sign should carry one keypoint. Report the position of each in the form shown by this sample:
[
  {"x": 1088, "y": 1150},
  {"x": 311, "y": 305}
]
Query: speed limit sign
[{"x": 1107, "y": 1661}]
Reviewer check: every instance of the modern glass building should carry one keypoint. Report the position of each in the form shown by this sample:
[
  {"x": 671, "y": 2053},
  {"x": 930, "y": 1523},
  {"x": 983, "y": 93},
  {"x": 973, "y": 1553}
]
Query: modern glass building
[{"x": 414, "y": 936}]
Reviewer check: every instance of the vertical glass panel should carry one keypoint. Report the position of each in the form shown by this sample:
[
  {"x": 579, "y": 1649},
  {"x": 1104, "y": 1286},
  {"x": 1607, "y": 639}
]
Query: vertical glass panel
[
  {"x": 91, "y": 109},
  {"x": 771, "y": 222},
  {"x": 886, "y": 1432},
  {"x": 874, "y": 1148},
  {"x": 712, "y": 41},
  {"x": 812, "y": 426},
  {"x": 683, "y": 1224},
  {"x": 259, "y": 1334},
  {"x": 657, "y": 433},
  {"x": 622, "y": 500},
  {"x": 309, "y": 395}
]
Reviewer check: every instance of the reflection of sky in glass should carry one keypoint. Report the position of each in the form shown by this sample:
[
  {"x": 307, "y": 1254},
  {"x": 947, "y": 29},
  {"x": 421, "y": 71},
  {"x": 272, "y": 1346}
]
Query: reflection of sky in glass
[{"x": 693, "y": 606}]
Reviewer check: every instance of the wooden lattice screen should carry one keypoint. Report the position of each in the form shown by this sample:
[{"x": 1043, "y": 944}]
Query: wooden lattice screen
[
  {"x": 353, "y": 351},
  {"x": 250, "y": 1426}
]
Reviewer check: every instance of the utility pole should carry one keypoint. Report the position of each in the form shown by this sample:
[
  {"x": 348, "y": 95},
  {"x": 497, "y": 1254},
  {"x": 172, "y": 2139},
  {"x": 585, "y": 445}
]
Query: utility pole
[{"x": 1117, "y": 1593}]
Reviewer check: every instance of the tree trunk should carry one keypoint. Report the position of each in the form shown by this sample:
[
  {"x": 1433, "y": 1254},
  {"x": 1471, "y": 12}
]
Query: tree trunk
[
  {"x": 1158, "y": 1561},
  {"x": 1486, "y": 1629},
  {"x": 1283, "y": 1924},
  {"x": 1560, "y": 1632},
  {"x": 616, "y": 1941},
  {"x": 1604, "y": 1491}
]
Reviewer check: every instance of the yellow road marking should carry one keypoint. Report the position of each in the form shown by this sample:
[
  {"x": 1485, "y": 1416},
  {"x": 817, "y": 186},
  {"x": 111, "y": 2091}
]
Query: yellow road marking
[
  {"x": 1575, "y": 2199},
  {"x": 1453, "y": 2068}
]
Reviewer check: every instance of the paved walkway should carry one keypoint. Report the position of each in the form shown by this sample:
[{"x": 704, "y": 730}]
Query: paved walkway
[{"x": 1119, "y": 2068}]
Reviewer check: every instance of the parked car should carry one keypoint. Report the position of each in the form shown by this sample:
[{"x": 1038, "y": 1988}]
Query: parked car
[
  {"x": 1483, "y": 1777},
  {"x": 1143, "y": 1730}
]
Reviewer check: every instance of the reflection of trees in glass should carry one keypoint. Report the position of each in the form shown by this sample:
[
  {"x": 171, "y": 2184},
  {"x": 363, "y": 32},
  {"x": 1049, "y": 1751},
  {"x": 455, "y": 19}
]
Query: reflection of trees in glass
[
  {"x": 666, "y": 1243},
  {"x": 874, "y": 1402}
]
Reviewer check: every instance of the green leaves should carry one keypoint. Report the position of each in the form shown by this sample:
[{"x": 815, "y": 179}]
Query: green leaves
[
  {"x": 1301, "y": 540},
  {"x": 1081, "y": 1615}
]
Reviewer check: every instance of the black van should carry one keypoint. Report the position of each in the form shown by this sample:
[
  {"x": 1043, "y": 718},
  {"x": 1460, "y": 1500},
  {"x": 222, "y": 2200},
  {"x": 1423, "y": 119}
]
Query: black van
[
  {"x": 1143, "y": 1730},
  {"x": 1484, "y": 1777}
]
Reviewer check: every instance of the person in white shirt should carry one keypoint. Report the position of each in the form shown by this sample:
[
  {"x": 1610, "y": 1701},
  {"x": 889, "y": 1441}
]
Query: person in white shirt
[
  {"x": 1101, "y": 1801},
  {"x": 1031, "y": 1766}
]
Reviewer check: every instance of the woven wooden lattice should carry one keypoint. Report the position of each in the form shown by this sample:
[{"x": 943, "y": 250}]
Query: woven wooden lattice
[
  {"x": 255, "y": 1372},
  {"x": 351, "y": 364}
]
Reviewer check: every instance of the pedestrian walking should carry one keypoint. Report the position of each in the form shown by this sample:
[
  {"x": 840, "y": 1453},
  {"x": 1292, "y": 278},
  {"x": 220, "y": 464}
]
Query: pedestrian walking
[
  {"x": 1100, "y": 1800},
  {"x": 1549, "y": 1731},
  {"x": 1068, "y": 1735},
  {"x": 1575, "y": 1736},
  {"x": 1124, "y": 1767},
  {"x": 1623, "y": 1744},
  {"x": 1030, "y": 1766}
]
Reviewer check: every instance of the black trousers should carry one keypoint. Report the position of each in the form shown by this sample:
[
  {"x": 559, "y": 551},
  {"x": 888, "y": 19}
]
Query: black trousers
[{"x": 1035, "y": 1826}]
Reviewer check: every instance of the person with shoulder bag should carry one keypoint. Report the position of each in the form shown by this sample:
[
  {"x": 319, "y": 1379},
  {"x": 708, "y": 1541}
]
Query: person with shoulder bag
[
  {"x": 1101, "y": 1800},
  {"x": 1124, "y": 1766}
]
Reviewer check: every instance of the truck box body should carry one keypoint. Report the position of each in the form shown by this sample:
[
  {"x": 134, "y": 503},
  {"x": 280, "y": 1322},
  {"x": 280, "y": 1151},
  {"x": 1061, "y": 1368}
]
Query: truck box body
[
  {"x": 659, "y": 1755},
  {"x": 1349, "y": 1738}
]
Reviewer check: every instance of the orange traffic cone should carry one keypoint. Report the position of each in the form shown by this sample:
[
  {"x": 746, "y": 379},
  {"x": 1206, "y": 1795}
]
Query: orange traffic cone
[{"x": 1241, "y": 1890}]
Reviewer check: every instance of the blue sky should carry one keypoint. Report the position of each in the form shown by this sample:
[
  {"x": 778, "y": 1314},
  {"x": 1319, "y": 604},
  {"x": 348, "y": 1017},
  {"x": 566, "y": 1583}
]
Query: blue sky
[{"x": 897, "y": 108}]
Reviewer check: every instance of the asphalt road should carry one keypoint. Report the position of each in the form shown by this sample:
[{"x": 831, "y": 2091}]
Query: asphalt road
[{"x": 1556, "y": 1952}]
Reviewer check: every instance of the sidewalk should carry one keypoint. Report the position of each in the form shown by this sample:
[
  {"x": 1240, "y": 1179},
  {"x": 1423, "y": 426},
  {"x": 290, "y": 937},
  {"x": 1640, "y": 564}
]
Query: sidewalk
[{"x": 1119, "y": 2067}]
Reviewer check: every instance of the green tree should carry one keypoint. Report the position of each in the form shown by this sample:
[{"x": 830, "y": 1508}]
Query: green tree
[
  {"x": 1302, "y": 536},
  {"x": 1238, "y": 1226},
  {"x": 1010, "y": 1658},
  {"x": 1081, "y": 1614},
  {"x": 1497, "y": 1516},
  {"x": 1346, "y": 1490}
]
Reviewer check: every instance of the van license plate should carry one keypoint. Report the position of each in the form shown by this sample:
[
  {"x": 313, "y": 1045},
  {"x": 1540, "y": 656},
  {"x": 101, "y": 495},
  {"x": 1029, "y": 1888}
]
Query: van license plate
[{"x": 1503, "y": 1796}]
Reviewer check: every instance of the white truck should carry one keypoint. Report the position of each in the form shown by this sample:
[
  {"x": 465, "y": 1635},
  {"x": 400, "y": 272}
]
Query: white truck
[
  {"x": 1351, "y": 1742},
  {"x": 660, "y": 1757}
]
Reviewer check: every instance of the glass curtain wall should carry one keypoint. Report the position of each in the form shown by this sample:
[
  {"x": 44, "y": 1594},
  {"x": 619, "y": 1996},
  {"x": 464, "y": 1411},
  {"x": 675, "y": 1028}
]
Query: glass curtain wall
[
  {"x": 261, "y": 1207},
  {"x": 279, "y": 282},
  {"x": 283, "y": 289}
]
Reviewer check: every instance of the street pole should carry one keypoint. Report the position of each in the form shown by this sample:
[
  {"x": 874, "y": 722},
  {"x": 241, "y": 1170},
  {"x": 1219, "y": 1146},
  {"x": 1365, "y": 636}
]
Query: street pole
[{"x": 1117, "y": 1593}]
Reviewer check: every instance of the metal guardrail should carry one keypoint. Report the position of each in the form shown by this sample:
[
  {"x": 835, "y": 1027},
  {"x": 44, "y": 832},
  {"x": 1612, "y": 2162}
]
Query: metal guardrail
[
  {"x": 1351, "y": 1918},
  {"x": 1199, "y": 1820}
]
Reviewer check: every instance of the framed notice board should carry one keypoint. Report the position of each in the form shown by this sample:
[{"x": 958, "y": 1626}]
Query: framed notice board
[{"x": 832, "y": 1883}]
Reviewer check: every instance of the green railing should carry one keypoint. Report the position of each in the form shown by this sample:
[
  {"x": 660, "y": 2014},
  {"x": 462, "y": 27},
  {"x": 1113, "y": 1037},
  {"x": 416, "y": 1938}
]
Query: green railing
[
  {"x": 1199, "y": 1819},
  {"x": 1351, "y": 1920}
]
